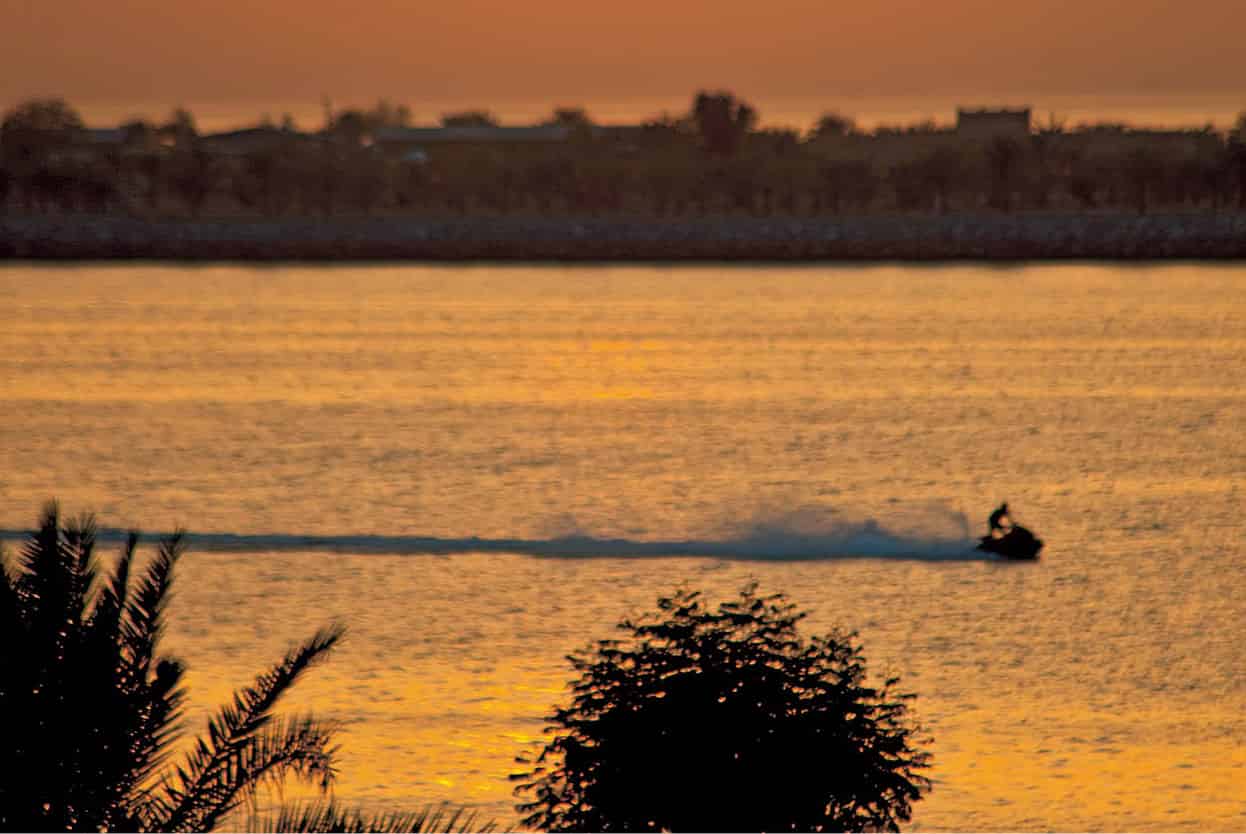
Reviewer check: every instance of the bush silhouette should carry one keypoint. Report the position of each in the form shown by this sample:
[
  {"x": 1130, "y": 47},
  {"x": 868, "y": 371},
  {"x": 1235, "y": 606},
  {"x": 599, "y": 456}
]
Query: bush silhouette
[
  {"x": 90, "y": 709},
  {"x": 725, "y": 719}
]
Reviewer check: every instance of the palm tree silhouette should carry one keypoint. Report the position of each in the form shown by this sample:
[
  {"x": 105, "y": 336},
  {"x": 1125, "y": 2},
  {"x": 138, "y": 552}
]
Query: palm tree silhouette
[{"x": 91, "y": 709}]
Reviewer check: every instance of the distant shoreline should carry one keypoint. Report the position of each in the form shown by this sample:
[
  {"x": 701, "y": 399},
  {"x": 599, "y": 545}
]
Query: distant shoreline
[{"x": 1003, "y": 237}]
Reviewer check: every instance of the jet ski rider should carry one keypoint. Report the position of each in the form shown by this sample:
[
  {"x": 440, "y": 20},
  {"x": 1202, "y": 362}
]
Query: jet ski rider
[{"x": 997, "y": 521}]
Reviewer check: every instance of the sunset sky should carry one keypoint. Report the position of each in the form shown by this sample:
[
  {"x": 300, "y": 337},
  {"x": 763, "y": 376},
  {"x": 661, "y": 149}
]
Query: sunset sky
[{"x": 622, "y": 57}]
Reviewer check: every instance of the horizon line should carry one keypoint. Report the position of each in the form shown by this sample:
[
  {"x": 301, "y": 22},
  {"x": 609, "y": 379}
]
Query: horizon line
[{"x": 1075, "y": 109}]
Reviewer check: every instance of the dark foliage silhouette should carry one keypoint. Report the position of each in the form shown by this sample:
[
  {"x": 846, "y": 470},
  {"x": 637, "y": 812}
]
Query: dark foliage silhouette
[
  {"x": 724, "y": 719},
  {"x": 1003, "y": 157},
  {"x": 36, "y": 128},
  {"x": 711, "y": 161},
  {"x": 354, "y": 127},
  {"x": 833, "y": 124},
  {"x": 469, "y": 118},
  {"x": 1236, "y": 163},
  {"x": 329, "y": 816},
  {"x": 722, "y": 121},
  {"x": 91, "y": 709},
  {"x": 575, "y": 117},
  {"x": 180, "y": 130}
]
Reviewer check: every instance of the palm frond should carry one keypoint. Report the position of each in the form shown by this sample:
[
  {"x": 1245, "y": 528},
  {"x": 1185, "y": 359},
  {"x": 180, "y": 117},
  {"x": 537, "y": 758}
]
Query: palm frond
[
  {"x": 112, "y": 599},
  {"x": 95, "y": 708},
  {"x": 298, "y": 747},
  {"x": 134, "y": 713},
  {"x": 143, "y": 619},
  {"x": 43, "y": 570},
  {"x": 131, "y": 621},
  {"x": 323, "y": 816},
  {"x": 160, "y": 723},
  {"x": 9, "y": 602},
  {"x": 211, "y": 769},
  {"x": 79, "y": 538}
]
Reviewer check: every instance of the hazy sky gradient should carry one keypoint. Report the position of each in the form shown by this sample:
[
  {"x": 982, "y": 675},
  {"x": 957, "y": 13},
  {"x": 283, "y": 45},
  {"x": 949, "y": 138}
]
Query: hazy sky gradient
[{"x": 485, "y": 51}]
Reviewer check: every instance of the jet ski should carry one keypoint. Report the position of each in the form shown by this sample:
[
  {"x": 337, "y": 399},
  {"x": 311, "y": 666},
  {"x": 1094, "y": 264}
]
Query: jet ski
[{"x": 1018, "y": 544}]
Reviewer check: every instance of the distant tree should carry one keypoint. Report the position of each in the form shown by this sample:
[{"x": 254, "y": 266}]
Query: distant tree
[
  {"x": 787, "y": 176},
  {"x": 356, "y": 128},
  {"x": 47, "y": 115},
  {"x": 193, "y": 175},
  {"x": 469, "y": 118},
  {"x": 1113, "y": 128},
  {"x": 725, "y": 719},
  {"x": 388, "y": 114},
  {"x": 1235, "y": 162},
  {"x": 774, "y": 142},
  {"x": 180, "y": 131},
  {"x": 36, "y": 140},
  {"x": 39, "y": 123},
  {"x": 922, "y": 127},
  {"x": 1046, "y": 155},
  {"x": 837, "y": 184},
  {"x": 91, "y": 710},
  {"x": 352, "y": 128},
  {"x": 1055, "y": 126},
  {"x": 34, "y": 131},
  {"x": 323, "y": 179},
  {"x": 570, "y": 117},
  {"x": 743, "y": 183},
  {"x": 1238, "y": 131},
  {"x": 1085, "y": 182},
  {"x": 670, "y": 125},
  {"x": 908, "y": 180},
  {"x": 722, "y": 121},
  {"x": 575, "y": 119},
  {"x": 840, "y": 183},
  {"x": 1142, "y": 171},
  {"x": 1003, "y": 155},
  {"x": 833, "y": 124},
  {"x": 368, "y": 181},
  {"x": 140, "y": 134},
  {"x": 662, "y": 180},
  {"x": 266, "y": 180},
  {"x": 942, "y": 172},
  {"x": 413, "y": 186},
  {"x": 1196, "y": 180},
  {"x": 148, "y": 170}
]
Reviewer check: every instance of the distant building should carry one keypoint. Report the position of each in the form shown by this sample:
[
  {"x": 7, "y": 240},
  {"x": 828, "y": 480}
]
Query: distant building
[
  {"x": 418, "y": 144},
  {"x": 250, "y": 140},
  {"x": 887, "y": 147},
  {"x": 978, "y": 125},
  {"x": 90, "y": 144},
  {"x": 1116, "y": 140},
  {"x": 472, "y": 134},
  {"x": 103, "y": 137}
]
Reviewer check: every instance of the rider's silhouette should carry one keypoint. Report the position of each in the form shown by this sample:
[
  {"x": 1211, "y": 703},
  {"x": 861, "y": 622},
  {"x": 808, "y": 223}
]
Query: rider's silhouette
[{"x": 998, "y": 518}]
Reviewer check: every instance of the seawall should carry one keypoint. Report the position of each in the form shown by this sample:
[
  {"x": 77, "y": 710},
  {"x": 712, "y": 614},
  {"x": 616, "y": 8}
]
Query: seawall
[{"x": 893, "y": 237}]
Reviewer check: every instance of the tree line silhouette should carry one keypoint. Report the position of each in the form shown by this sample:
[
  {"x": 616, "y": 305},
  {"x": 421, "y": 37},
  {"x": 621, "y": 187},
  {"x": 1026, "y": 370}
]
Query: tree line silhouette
[
  {"x": 699, "y": 718},
  {"x": 712, "y": 161}
]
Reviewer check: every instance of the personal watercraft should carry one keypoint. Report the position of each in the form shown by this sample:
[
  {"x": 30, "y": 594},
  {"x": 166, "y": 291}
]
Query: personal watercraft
[{"x": 1017, "y": 544}]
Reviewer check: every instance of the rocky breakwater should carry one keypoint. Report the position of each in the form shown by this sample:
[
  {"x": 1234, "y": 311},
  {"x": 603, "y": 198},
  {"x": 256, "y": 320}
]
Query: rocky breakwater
[{"x": 890, "y": 237}]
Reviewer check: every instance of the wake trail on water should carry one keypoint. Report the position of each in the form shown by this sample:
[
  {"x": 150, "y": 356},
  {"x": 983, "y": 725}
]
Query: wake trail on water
[{"x": 805, "y": 534}]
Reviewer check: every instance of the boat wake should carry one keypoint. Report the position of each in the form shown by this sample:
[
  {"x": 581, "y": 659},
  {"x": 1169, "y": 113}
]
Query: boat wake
[{"x": 812, "y": 533}]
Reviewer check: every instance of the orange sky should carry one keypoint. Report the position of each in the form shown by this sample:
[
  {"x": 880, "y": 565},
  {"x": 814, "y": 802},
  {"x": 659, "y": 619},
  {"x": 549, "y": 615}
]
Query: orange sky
[{"x": 571, "y": 51}]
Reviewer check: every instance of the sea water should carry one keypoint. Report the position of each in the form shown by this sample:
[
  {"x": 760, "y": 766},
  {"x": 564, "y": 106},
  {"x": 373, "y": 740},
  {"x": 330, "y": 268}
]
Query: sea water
[{"x": 482, "y": 468}]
